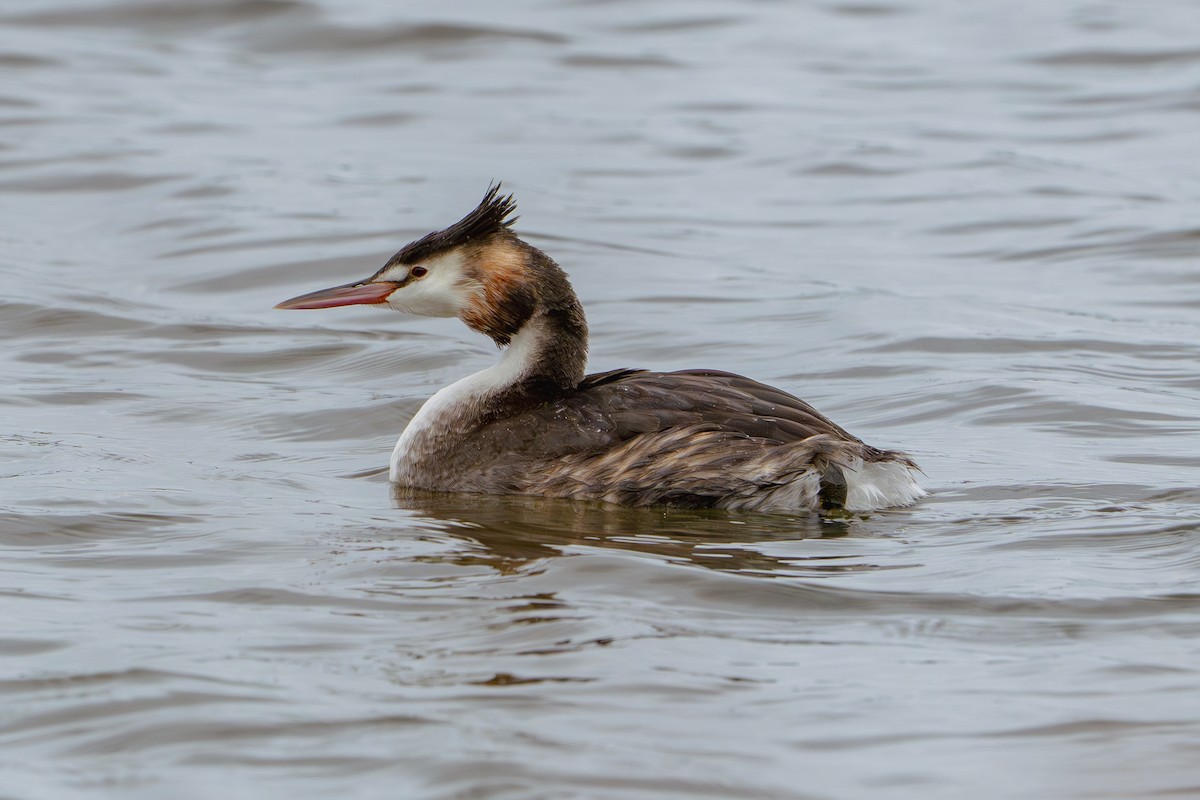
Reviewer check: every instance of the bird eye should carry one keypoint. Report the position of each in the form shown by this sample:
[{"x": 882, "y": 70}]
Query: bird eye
[{"x": 418, "y": 272}]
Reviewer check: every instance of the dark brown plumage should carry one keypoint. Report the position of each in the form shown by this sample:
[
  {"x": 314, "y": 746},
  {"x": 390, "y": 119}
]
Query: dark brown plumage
[{"x": 695, "y": 438}]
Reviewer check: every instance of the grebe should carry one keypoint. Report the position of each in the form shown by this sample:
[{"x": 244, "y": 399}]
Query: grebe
[{"x": 536, "y": 424}]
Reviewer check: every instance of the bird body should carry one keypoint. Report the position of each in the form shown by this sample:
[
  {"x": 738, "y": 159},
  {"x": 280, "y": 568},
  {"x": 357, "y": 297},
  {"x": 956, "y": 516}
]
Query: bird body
[{"x": 534, "y": 423}]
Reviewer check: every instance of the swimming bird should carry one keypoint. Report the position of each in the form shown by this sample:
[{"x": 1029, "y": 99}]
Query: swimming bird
[{"x": 535, "y": 423}]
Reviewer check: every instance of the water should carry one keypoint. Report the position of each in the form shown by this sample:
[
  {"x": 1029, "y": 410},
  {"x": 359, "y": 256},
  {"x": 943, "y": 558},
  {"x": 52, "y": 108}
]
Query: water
[{"x": 966, "y": 230}]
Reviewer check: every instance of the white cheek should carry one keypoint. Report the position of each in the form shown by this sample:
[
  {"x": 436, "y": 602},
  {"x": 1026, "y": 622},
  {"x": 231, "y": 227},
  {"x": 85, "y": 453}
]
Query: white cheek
[{"x": 443, "y": 292}]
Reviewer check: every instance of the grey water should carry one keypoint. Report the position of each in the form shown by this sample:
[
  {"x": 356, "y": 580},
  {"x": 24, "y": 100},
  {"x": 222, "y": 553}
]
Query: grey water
[{"x": 966, "y": 230}]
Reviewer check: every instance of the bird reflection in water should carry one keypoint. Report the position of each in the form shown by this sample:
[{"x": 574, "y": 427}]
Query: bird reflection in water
[{"x": 514, "y": 530}]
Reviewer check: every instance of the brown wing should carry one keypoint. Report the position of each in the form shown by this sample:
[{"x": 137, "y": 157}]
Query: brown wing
[
  {"x": 613, "y": 407},
  {"x": 739, "y": 404}
]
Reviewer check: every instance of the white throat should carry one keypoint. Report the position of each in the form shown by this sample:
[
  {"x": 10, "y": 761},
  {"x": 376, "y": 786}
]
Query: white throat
[{"x": 443, "y": 416}]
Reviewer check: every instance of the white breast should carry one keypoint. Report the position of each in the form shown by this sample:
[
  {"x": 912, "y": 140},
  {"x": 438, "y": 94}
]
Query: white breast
[{"x": 442, "y": 418}]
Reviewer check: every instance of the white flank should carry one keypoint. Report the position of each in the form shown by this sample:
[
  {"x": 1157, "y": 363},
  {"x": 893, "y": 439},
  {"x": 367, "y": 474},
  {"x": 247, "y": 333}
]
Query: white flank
[
  {"x": 881, "y": 484},
  {"x": 471, "y": 390}
]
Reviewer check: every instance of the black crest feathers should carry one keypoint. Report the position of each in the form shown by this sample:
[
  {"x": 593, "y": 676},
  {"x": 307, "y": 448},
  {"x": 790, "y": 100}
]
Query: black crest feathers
[{"x": 491, "y": 216}]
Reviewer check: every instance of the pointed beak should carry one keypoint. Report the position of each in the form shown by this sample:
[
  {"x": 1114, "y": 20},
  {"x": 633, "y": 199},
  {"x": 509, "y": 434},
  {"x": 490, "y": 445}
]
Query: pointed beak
[{"x": 352, "y": 294}]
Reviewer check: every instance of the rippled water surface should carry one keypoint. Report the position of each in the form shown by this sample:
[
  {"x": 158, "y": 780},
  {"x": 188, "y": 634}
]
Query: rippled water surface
[{"x": 970, "y": 230}]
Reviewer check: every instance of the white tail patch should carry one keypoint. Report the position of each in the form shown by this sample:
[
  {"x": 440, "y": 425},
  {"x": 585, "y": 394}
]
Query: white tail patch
[{"x": 873, "y": 485}]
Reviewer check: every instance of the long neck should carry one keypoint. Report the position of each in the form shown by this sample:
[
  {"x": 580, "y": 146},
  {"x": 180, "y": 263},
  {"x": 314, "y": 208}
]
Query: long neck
[
  {"x": 545, "y": 360},
  {"x": 557, "y": 356},
  {"x": 527, "y": 304},
  {"x": 530, "y": 307}
]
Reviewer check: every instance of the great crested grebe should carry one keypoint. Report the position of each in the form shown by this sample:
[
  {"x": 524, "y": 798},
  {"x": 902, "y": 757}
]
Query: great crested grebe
[{"x": 536, "y": 424}]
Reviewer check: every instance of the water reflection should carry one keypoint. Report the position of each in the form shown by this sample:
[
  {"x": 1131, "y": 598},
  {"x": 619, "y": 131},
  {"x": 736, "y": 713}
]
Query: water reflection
[{"x": 518, "y": 529}]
